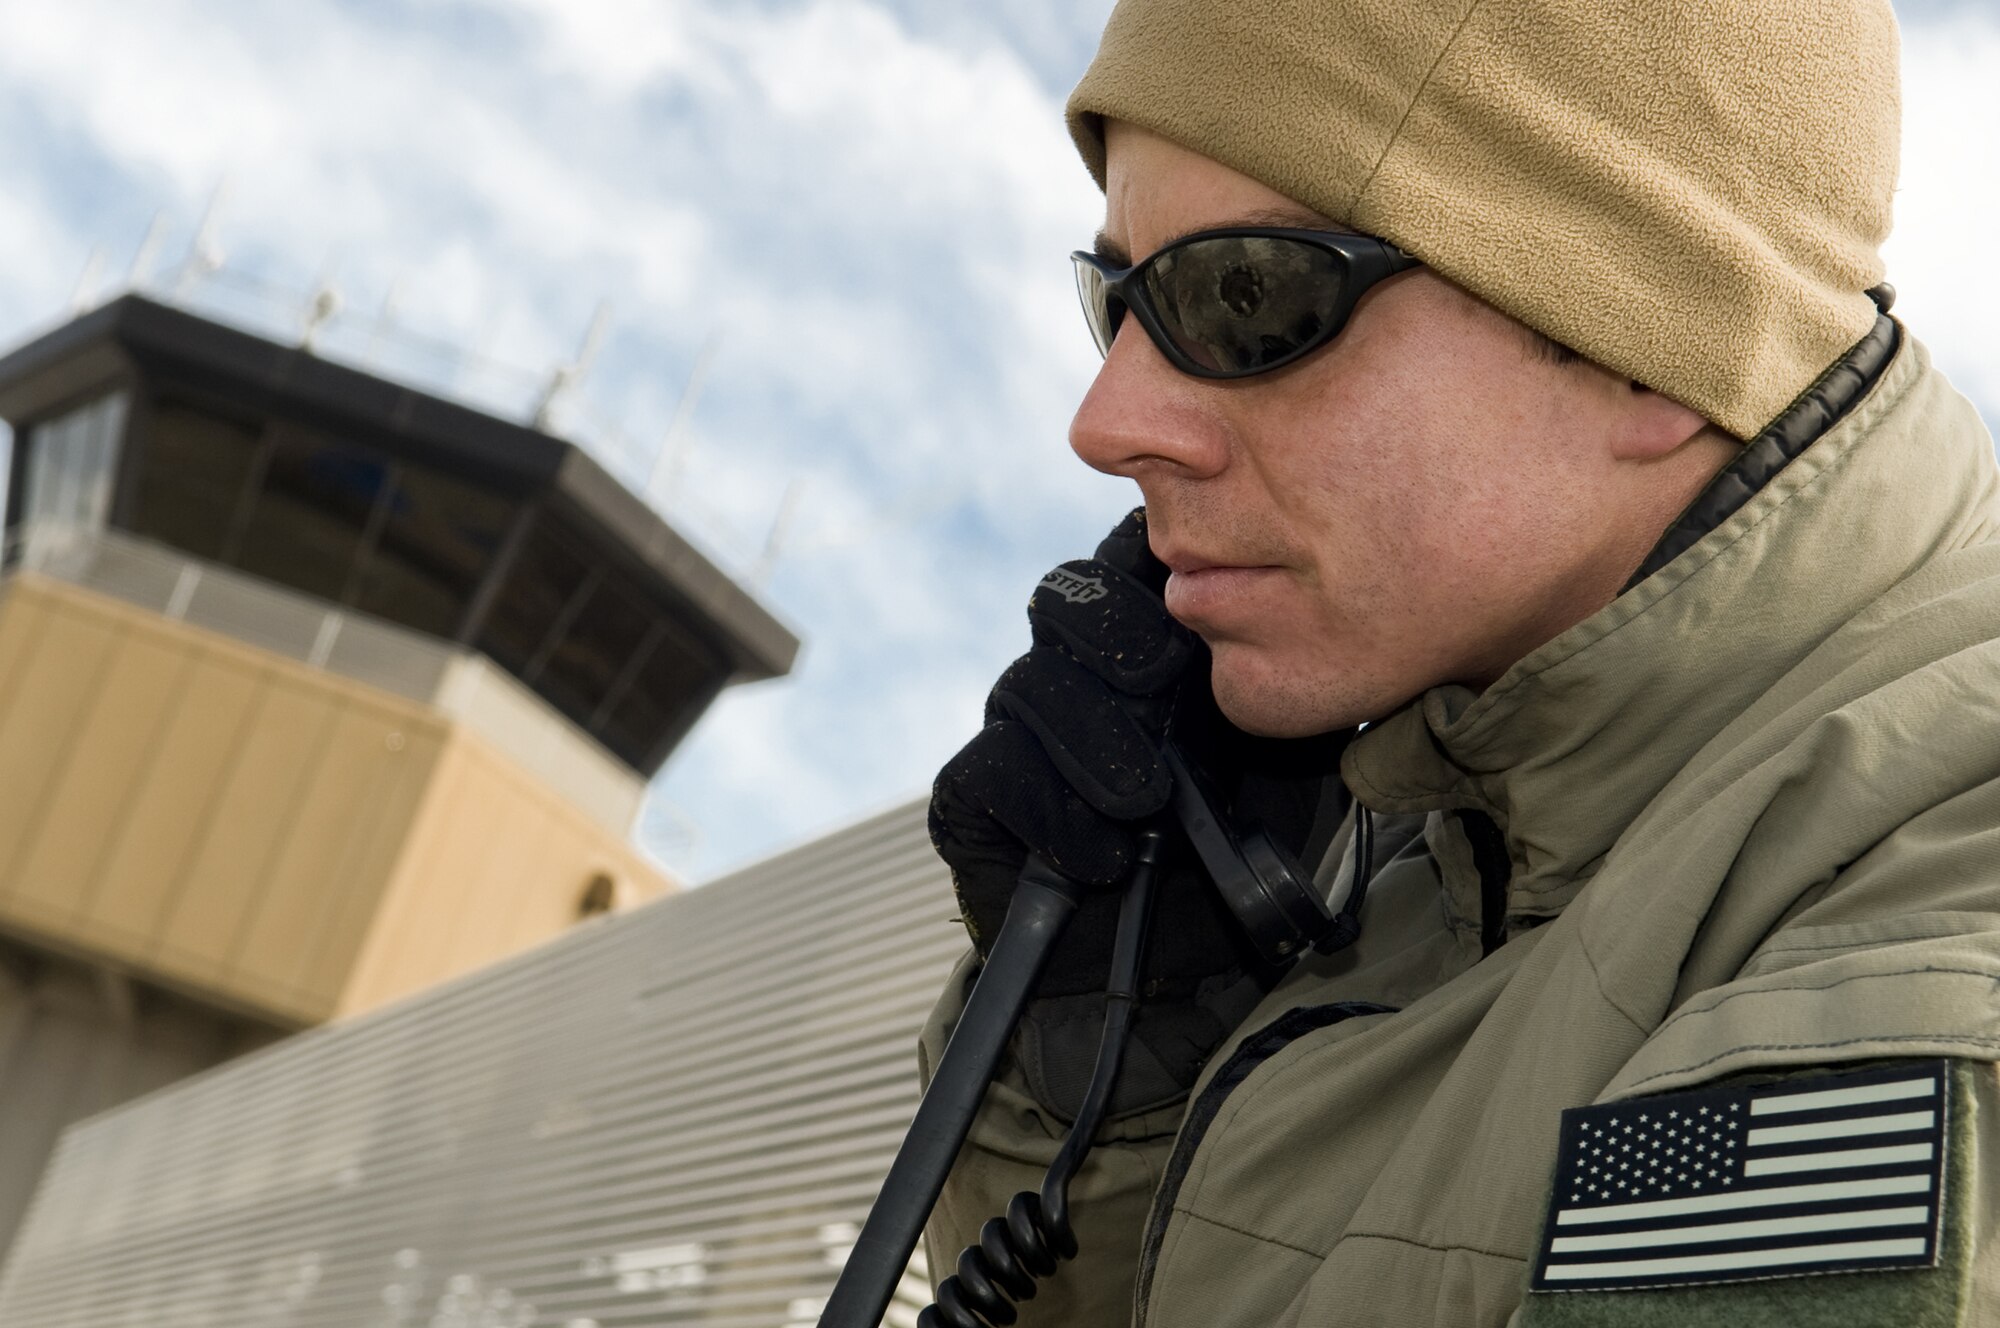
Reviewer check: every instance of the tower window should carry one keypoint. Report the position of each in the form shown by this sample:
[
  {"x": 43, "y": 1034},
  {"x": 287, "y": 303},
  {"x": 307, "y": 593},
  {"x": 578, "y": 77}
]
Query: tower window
[{"x": 71, "y": 461}]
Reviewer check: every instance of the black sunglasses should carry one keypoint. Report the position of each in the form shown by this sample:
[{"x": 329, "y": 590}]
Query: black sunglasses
[{"x": 1240, "y": 300}]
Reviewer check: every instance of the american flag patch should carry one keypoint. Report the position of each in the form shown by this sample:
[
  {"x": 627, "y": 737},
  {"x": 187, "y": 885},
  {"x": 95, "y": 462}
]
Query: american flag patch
[{"x": 1841, "y": 1173}]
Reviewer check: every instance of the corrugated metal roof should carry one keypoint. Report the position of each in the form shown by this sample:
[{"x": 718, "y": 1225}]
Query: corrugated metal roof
[{"x": 679, "y": 1114}]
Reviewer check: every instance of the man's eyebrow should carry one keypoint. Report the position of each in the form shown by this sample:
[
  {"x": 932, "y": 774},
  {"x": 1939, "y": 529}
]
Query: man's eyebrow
[{"x": 1297, "y": 217}]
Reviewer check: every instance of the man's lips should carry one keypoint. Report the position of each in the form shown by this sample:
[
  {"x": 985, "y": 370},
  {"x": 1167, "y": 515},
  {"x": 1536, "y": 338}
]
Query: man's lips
[{"x": 1200, "y": 590}]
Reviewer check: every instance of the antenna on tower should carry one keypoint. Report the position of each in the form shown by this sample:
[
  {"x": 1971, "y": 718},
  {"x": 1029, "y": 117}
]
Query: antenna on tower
[
  {"x": 781, "y": 526},
  {"x": 205, "y": 254},
  {"x": 86, "y": 281},
  {"x": 672, "y": 456},
  {"x": 566, "y": 376},
  {"x": 320, "y": 309},
  {"x": 385, "y": 320},
  {"x": 148, "y": 251},
  {"x": 320, "y": 306}
]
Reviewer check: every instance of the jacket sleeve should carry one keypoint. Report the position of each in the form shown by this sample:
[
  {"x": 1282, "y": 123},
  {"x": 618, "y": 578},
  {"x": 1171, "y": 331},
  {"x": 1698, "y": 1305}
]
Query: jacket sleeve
[
  {"x": 1961, "y": 1291},
  {"x": 1862, "y": 944},
  {"x": 1012, "y": 1143}
]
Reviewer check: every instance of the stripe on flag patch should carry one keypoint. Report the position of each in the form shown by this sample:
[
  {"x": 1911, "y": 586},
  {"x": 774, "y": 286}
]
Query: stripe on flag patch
[{"x": 1833, "y": 1173}]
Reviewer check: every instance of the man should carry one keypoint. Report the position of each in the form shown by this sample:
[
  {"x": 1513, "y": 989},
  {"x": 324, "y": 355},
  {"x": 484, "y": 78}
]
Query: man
[{"x": 1511, "y": 380}]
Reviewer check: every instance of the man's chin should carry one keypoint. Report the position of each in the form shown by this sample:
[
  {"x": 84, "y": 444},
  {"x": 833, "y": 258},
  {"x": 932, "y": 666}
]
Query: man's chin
[
  {"x": 1272, "y": 702},
  {"x": 1262, "y": 705}
]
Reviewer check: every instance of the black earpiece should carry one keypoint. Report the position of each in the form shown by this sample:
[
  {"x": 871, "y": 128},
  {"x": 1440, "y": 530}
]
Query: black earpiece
[{"x": 1268, "y": 893}]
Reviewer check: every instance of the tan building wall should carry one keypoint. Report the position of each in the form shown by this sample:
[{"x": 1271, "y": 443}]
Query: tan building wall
[
  {"x": 492, "y": 865},
  {"x": 259, "y": 833}
]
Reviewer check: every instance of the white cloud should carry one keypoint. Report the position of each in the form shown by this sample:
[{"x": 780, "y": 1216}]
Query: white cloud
[
  {"x": 623, "y": 45},
  {"x": 54, "y": 257},
  {"x": 1948, "y": 287}
]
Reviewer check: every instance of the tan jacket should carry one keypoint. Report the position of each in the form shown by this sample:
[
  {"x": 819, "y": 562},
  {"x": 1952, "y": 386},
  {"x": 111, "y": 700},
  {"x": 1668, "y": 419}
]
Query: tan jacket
[{"x": 1752, "y": 815}]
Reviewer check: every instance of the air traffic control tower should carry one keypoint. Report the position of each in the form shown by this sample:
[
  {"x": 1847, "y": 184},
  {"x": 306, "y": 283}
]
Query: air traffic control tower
[{"x": 315, "y": 690}]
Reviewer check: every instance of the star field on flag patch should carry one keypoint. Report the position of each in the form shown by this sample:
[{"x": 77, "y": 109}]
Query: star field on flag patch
[{"x": 1832, "y": 1173}]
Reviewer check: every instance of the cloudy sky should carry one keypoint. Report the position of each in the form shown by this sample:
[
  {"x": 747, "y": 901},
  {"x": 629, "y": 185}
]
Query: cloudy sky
[{"x": 854, "y": 213}]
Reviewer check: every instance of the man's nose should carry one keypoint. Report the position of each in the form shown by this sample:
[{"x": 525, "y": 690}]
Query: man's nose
[{"x": 1142, "y": 415}]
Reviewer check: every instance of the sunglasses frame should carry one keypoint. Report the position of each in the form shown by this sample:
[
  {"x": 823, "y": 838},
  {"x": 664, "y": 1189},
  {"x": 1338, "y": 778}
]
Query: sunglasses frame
[{"x": 1366, "y": 260}]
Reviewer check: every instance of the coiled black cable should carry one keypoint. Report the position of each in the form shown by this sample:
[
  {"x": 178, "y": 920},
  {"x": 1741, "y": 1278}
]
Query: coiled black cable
[{"x": 1035, "y": 1237}]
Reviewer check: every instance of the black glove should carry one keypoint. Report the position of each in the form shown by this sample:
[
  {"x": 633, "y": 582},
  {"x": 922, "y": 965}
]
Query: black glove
[{"x": 1069, "y": 766}]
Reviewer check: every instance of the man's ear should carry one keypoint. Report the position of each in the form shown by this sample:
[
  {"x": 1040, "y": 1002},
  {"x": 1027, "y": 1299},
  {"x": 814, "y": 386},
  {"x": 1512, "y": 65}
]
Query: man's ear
[{"x": 1651, "y": 427}]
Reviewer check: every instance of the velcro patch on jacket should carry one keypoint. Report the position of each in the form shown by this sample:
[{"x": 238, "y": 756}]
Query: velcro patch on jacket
[{"x": 1832, "y": 1173}]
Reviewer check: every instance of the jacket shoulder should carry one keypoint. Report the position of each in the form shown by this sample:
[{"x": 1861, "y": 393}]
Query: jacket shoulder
[{"x": 1797, "y": 1264}]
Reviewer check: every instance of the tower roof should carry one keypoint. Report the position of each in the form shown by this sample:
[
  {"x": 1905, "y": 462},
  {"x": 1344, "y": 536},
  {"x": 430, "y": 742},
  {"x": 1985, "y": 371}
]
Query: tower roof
[{"x": 166, "y": 347}]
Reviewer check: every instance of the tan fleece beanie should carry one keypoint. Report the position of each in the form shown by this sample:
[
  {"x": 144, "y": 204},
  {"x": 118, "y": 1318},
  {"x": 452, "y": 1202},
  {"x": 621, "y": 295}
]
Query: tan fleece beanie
[{"x": 1691, "y": 192}]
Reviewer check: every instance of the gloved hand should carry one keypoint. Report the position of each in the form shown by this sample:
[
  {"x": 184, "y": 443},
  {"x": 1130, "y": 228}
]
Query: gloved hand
[{"x": 1069, "y": 766}]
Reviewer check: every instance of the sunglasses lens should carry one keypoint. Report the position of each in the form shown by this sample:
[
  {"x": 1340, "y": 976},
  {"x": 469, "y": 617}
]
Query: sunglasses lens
[
  {"x": 1237, "y": 303},
  {"x": 1101, "y": 309}
]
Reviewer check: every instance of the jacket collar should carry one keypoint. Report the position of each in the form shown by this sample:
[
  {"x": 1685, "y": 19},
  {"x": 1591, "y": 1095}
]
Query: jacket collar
[{"x": 1576, "y": 738}]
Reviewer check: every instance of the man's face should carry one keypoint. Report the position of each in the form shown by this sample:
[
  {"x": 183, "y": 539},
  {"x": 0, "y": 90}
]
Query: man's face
[{"x": 1422, "y": 501}]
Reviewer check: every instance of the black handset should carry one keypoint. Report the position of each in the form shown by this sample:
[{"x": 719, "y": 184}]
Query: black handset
[
  {"x": 1270, "y": 897},
  {"x": 1268, "y": 894}
]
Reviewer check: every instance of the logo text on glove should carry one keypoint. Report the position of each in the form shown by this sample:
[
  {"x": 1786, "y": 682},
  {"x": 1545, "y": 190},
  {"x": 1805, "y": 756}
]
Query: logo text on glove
[{"x": 1074, "y": 586}]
